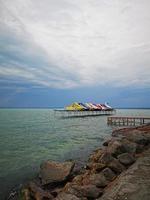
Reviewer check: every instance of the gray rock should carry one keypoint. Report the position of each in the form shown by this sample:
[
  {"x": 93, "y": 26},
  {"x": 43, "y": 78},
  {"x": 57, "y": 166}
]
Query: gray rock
[
  {"x": 95, "y": 167},
  {"x": 115, "y": 147},
  {"x": 126, "y": 159},
  {"x": 106, "y": 158},
  {"x": 89, "y": 191},
  {"x": 96, "y": 155},
  {"x": 38, "y": 193},
  {"x": 129, "y": 146},
  {"x": 132, "y": 184},
  {"x": 109, "y": 174},
  {"x": 98, "y": 179},
  {"x": 54, "y": 172},
  {"x": 139, "y": 135},
  {"x": 116, "y": 166},
  {"x": 73, "y": 189}
]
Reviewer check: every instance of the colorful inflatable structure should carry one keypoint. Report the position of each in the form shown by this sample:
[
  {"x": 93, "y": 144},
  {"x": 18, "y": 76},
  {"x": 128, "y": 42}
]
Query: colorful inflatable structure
[{"x": 88, "y": 106}]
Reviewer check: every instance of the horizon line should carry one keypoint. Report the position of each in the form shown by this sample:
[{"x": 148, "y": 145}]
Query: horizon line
[{"x": 63, "y": 107}]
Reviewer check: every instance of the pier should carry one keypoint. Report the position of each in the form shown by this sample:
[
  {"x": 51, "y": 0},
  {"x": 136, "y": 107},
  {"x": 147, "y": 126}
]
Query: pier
[
  {"x": 83, "y": 113},
  {"x": 127, "y": 121}
]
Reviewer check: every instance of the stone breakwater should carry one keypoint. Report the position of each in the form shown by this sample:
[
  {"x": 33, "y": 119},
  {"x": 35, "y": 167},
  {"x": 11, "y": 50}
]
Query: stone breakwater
[{"x": 120, "y": 170}]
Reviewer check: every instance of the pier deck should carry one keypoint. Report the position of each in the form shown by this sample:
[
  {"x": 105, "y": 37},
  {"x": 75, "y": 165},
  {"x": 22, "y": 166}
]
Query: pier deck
[
  {"x": 127, "y": 121},
  {"x": 84, "y": 113}
]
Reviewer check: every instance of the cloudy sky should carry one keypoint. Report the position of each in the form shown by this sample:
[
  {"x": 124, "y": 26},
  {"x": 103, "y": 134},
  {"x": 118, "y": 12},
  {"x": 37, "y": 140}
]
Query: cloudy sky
[{"x": 53, "y": 52}]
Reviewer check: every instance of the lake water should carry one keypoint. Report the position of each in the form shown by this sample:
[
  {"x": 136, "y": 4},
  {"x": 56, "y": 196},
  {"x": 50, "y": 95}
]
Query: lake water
[{"x": 30, "y": 136}]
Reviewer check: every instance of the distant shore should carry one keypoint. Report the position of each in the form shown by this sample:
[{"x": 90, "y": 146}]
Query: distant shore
[{"x": 123, "y": 161}]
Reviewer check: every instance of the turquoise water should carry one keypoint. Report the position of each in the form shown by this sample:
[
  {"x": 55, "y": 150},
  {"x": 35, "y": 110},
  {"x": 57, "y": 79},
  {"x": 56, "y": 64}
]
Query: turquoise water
[{"x": 30, "y": 136}]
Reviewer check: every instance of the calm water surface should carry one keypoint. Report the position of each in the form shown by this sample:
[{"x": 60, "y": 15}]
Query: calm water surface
[{"x": 29, "y": 136}]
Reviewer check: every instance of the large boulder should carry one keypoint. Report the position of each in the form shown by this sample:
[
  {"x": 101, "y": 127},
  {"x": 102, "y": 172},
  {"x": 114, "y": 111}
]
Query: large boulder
[
  {"x": 129, "y": 146},
  {"x": 109, "y": 174},
  {"x": 139, "y": 135},
  {"x": 78, "y": 179},
  {"x": 94, "y": 157},
  {"x": 111, "y": 162},
  {"x": 116, "y": 166},
  {"x": 106, "y": 158},
  {"x": 89, "y": 191},
  {"x": 38, "y": 193},
  {"x": 115, "y": 147},
  {"x": 132, "y": 184},
  {"x": 95, "y": 167},
  {"x": 99, "y": 180},
  {"x": 126, "y": 159},
  {"x": 79, "y": 167},
  {"x": 54, "y": 172}
]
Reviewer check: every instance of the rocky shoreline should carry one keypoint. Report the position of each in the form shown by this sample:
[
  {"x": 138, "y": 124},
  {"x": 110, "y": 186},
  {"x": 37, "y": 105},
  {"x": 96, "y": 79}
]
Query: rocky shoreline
[{"x": 120, "y": 170}]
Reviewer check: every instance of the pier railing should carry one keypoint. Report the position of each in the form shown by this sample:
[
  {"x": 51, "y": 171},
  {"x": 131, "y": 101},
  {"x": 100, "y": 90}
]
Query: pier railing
[{"x": 127, "y": 121}]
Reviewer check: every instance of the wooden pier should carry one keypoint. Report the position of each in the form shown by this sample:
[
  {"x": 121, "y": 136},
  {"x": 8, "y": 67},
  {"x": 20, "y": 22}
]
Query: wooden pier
[{"x": 127, "y": 121}]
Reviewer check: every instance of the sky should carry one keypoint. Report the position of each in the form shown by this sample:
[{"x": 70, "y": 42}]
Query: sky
[{"x": 55, "y": 52}]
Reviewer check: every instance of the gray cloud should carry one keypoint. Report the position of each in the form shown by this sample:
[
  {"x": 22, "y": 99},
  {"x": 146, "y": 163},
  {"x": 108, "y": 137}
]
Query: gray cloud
[{"x": 64, "y": 44}]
